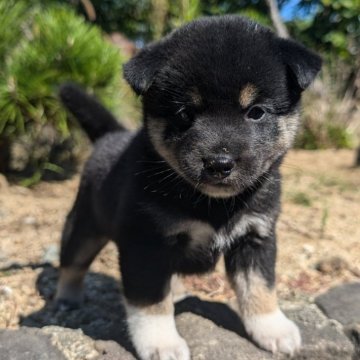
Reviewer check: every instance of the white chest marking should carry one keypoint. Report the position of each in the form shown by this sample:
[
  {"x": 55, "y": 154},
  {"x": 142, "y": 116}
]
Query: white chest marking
[
  {"x": 260, "y": 224},
  {"x": 202, "y": 233}
]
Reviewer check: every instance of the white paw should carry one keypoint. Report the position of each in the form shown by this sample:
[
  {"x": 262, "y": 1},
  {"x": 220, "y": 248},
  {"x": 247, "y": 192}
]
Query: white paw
[
  {"x": 155, "y": 336},
  {"x": 274, "y": 332},
  {"x": 167, "y": 349}
]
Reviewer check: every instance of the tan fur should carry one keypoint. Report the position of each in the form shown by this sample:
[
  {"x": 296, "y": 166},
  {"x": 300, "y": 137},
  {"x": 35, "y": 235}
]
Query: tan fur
[
  {"x": 178, "y": 289},
  {"x": 164, "y": 307},
  {"x": 247, "y": 95},
  {"x": 288, "y": 125},
  {"x": 89, "y": 249},
  {"x": 195, "y": 96},
  {"x": 70, "y": 283},
  {"x": 254, "y": 297},
  {"x": 216, "y": 192},
  {"x": 156, "y": 128},
  {"x": 200, "y": 232}
]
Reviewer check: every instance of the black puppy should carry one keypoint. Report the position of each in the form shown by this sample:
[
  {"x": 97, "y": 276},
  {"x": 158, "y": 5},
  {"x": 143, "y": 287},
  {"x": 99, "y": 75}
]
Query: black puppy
[{"x": 201, "y": 178}]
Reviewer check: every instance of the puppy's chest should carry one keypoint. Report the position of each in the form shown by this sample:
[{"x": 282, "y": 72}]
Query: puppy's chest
[{"x": 200, "y": 234}]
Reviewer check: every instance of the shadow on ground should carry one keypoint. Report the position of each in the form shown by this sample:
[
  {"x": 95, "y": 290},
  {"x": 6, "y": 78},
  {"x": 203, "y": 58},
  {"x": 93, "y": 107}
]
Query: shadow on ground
[{"x": 102, "y": 315}]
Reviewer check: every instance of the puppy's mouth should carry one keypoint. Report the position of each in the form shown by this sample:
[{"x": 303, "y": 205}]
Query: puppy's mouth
[
  {"x": 219, "y": 190},
  {"x": 216, "y": 184},
  {"x": 213, "y": 181}
]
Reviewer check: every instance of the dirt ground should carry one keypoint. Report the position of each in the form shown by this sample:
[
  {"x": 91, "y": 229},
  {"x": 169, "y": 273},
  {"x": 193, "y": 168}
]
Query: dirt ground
[{"x": 318, "y": 235}]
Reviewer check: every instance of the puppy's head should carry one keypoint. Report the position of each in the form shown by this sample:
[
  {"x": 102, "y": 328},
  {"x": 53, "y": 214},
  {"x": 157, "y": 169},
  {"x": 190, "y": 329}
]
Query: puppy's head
[{"x": 221, "y": 99}]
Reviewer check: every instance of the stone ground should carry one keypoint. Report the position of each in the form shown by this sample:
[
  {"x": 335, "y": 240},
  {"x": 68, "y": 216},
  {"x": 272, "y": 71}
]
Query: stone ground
[
  {"x": 319, "y": 249},
  {"x": 212, "y": 329}
]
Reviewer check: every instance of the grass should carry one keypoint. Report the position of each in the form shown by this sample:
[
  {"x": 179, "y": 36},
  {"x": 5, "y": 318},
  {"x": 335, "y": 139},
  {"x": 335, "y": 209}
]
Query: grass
[
  {"x": 324, "y": 220},
  {"x": 301, "y": 198},
  {"x": 337, "y": 182}
]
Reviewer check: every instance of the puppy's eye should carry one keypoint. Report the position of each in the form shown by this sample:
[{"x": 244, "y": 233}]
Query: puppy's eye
[
  {"x": 183, "y": 119},
  {"x": 184, "y": 116},
  {"x": 256, "y": 113}
]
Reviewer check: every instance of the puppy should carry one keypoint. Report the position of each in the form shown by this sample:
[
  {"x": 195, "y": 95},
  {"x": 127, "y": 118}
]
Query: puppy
[{"x": 201, "y": 178}]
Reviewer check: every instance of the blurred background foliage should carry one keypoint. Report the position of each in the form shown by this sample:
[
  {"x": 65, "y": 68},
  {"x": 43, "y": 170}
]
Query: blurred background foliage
[{"x": 46, "y": 42}]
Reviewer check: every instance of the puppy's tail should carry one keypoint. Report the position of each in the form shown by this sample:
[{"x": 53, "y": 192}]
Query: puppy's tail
[{"x": 92, "y": 116}]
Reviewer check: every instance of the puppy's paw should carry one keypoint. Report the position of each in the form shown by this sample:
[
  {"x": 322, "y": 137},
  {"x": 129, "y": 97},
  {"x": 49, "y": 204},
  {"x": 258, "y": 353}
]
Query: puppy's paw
[
  {"x": 274, "y": 332},
  {"x": 155, "y": 337},
  {"x": 168, "y": 349}
]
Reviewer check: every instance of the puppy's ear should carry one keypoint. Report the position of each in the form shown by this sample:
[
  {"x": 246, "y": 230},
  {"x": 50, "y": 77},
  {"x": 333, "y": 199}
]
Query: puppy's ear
[
  {"x": 140, "y": 71},
  {"x": 303, "y": 63}
]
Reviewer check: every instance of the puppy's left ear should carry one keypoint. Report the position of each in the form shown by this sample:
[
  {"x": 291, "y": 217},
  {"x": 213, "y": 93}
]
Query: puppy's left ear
[
  {"x": 140, "y": 71},
  {"x": 303, "y": 63}
]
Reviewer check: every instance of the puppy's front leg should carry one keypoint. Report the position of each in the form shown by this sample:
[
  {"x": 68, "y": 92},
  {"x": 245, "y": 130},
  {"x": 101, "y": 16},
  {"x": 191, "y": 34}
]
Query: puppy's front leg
[
  {"x": 150, "y": 310},
  {"x": 250, "y": 266}
]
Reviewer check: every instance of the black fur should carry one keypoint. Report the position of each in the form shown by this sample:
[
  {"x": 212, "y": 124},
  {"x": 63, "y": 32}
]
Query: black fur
[
  {"x": 87, "y": 108},
  {"x": 138, "y": 188}
]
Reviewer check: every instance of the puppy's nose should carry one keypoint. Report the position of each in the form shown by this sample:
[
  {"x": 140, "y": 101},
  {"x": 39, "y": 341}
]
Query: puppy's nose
[{"x": 219, "y": 166}]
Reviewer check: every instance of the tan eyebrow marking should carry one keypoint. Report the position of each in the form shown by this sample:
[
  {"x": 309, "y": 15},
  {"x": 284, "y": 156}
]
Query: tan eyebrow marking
[
  {"x": 195, "y": 96},
  {"x": 247, "y": 95}
]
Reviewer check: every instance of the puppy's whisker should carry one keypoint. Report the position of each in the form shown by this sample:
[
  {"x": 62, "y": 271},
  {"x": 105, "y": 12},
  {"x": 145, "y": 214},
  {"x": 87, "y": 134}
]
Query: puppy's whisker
[
  {"x": 292, "y": 167},
  {"x": 151, "y": 161},
  {"x": 176, "y": 178},
  {"x": 160, "y": 172},
  {"x": 166, "y": 177},
  {"x": 148, "y": 170},
  {"x": 182, "y": 108},
  {"x": 182, "y": 102},
  {"x": 175, "y": 185}
]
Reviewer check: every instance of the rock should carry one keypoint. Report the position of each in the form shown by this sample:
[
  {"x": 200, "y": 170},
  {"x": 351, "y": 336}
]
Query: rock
[
  {"x": 353, "y": 332},
  {"x": 219, "y": 339},
  {"x": 332, "y": 265},
  {"x": 210, "y": 342},
  {"x": 57, "y": 343},
  {"x": 342, "y": 303},
  {"x": 72, "y": 343},
  {"x": 5, "y": 292},
  {"x": 308, "y": 250},
  {"x": 51, "y": 254},
  {"x": 27, "y": 344},
  {"x": 30, "y": 221},
  {"x": 323, "y": 339},
  {"x": 110, "y": 350}
]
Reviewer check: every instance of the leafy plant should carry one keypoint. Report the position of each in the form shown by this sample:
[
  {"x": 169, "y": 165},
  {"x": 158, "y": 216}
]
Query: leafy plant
[
  {"x": 50, "y": 46},
  {"x": 327, "y": 119},
  {"x": 12, "y": 16}
]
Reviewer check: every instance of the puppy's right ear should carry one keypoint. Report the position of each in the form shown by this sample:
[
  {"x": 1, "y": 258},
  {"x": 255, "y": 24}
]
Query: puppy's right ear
[
  {"x": 302, "y": 62},
  {"x": 140, "y": 71}
]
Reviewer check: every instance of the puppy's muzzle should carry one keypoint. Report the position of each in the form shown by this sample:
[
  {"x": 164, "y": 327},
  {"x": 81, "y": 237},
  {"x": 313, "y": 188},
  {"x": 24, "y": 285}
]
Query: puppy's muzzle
[{"x": 218, "y": 167}]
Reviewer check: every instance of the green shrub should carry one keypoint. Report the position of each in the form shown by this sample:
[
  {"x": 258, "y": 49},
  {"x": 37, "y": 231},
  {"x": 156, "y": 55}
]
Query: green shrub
[
  {"x": 327, "y": 119},
  {"x": 12, "y": 16},
  {"x": 315, "y": 136},
  {"x": 48, "y": 47}
]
